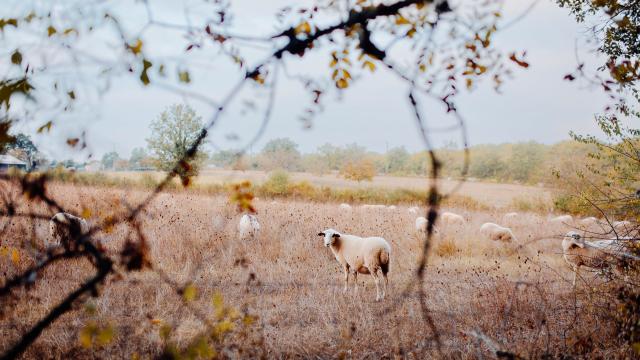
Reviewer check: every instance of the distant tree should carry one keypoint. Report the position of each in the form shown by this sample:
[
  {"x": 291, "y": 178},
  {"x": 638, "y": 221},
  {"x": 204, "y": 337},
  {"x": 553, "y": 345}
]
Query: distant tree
[
  {"x": 224, "y": 158},
  {"x": 281, "y": 153},
  {"x": 24, "y": 149},
  {"x": 330, "y": 155},
  {"x": 396, "y": 160},
  {"x": 109, "y": 159},
  {"x": 172, "y": 133},
  {"x": 314, "y": 164},
  {"x": 137, "y": 156},
  {"x": 526, "y": 159},
  {"x": 359, "y": 170},
  {"x": 121, "y": 165}
]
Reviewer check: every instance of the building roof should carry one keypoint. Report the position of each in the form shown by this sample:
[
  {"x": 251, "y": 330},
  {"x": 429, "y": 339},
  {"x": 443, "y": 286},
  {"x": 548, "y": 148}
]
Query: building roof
[{"x": 10, "y": 160}]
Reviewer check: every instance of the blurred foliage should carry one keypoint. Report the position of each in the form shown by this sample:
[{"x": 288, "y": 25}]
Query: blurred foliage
[{"x": 617, "y": 31}]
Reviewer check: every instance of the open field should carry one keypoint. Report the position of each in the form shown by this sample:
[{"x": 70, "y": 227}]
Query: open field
[
  {"x": 515, "y": 294},
  {"x": 492, "y": 194}
]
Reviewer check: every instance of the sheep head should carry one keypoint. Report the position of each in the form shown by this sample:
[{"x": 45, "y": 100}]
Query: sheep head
[
  {"x": 572, "y": 240},
  {"x": 330, "y": 236}
]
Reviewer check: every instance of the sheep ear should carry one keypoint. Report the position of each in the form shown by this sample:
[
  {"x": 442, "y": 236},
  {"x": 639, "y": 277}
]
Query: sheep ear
[
  {"x": 321, "y": 234},
  {"x": 335, "y": 235}
]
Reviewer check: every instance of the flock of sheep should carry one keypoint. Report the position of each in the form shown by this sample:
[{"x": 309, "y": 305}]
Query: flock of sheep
[{"x": 372, "y": 255}]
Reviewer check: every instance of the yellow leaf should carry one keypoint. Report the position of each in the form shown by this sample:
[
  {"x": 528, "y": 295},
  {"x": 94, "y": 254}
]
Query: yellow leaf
[
  {"x": 247, "y": 320},
  {"x": 15, "y": 256},
  {"x": 401, "y": 20},
  {"x": 346, "y": 74},
  {"x": 305, "y": 27},
  {"x": 136, "y": 48},
  {"x": 105, "y": 336},
  {"x": 422, "y": 67},
  {"x": 189, "y": 292},
  {"x": 333, "y": 63},
  {"x": 217, "y": 300},
  {"x": 86, "y": 213},
  {"x": 51, "y": 30},
  {"x": 342, "y": 83},
  {"x": 156, "y": 321},
  {"x": 370, "y": 65}
]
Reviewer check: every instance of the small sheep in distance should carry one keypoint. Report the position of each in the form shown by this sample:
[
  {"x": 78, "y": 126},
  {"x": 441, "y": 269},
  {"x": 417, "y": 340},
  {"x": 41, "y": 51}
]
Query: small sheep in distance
[
  {"x": 373, "y": 207},
  {"x": 413, "y": 210},
  {"x": 355, "y": 254},
  {"x": 66, "y": 229},
  {"x": 248, "y": 227},
  {"x": 451, "y": 219},
  {"x": 421, "y": 225},
  {"x": 496, "y": 232},
  {"x": 597, "y": 254},
  {"x": 562, "y": 220},
  {"x": 345, "y": 206}
]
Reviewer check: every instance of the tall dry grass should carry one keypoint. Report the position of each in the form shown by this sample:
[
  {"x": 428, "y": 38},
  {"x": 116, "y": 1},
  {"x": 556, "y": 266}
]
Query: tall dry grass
[{"x": 516, "y": 294}]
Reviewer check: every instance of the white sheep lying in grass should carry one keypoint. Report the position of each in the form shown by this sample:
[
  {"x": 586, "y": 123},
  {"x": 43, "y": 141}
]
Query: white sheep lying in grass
[
  {"x": 356, "y": 254},
  {"x": 345, "y": 206},
  {"x": 373, "y": 207},
  {"x": 248, "y": 227},
  {"x": 623, "y": 226},
  {"x": 562, "y": 220},
  {"x": 65, "y": 229},
  {"x": 596, "y": 254},
  {"x": 451, "y": 219},
  {"x": 391, "y": 207},
  {"x": 496, "y": 232}
]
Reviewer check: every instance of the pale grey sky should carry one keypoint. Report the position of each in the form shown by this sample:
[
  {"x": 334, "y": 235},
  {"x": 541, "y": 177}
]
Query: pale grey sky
[{"x": 536, "y": 105}]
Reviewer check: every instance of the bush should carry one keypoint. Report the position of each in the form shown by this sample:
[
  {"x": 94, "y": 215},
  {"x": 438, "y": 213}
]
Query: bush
[
  {"x": 277, "y": 184},
  {"x": 360, "y": 170}
]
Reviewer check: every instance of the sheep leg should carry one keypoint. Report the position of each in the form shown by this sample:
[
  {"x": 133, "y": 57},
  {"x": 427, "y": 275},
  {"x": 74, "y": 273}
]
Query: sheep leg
[
  {"x": 575, "y": 274},
  {"x": 376, "y": 278},
  {"x": 346, "y": 279},
  {"x": 386, "y": 284},
  {"x": 355, "y": 281}
]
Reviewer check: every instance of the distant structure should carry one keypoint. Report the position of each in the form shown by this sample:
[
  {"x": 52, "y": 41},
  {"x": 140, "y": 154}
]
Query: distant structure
[{"x": 7, "y": 162}]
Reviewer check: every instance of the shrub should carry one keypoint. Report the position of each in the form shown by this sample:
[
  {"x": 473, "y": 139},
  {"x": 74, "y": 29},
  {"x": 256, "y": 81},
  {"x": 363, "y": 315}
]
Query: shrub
[
  {"x": 360, "y": 170},
  {"x": 277, "y": 184}
]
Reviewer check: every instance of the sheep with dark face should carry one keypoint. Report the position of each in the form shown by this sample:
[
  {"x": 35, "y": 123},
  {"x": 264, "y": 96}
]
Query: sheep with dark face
[
  {"x": 596, "y": 254},
  {"x": 66, "y": 229},
  {"x": 370, "y": 255},
  {"x": 496, "y": 232}
]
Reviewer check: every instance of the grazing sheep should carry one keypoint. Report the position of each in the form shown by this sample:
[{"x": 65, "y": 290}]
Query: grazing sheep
[
  {"x": 496, "y": 232},
  {"x": 589, "y": 222},
  {"x": 360, "y": 255},
  {"x": 65, "y": 229},
  {"x": 562, "y": 220},
  {"x": 597, "y": 254},
  {"x": 344, "y": 206},
  {"x": 413, "y": 210},
  {"x": 248, "y": 227},
  {"x": 621, "y": 226},
  {"x": 421, "y": 225},
  {"x": 373, "y": 207},
  {"x": 451, "y": 219}
]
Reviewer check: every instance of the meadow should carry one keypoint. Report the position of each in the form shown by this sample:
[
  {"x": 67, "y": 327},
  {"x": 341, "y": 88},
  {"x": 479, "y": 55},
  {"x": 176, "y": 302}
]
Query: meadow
[{"x": 483, "y": 296}]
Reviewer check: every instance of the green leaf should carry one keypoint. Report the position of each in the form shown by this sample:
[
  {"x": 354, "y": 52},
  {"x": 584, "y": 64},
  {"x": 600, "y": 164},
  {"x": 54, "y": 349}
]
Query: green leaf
[
  {"x": 16, "y": 57},
  {"x": 144, "y": 76}
]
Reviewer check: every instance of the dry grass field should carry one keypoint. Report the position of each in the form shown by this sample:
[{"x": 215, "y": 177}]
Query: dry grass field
[
  {"x": 493, "y": 194},
  {"x": 515, "y": 296}
]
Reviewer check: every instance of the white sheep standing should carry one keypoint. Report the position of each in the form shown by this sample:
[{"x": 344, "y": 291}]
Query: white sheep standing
[
  {"x": 65, "y": 228},
  {"x": 451, "y": 219},
  {"x": 562, "y": 220},
  {"x": 356, "y": 254},
  {"x": 596, "y": 254},
  {"x": 345, "y": 206},
  {"x": 248, "y": 227},
  {"x": 421, "y": 225},
  {"x": 496, "y": 232},
  {"x": 413, "y": 210},
  {"x": 373, "y": 207}
]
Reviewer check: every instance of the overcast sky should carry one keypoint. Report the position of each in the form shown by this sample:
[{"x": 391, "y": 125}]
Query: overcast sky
[{"x": 536, "y": 105}]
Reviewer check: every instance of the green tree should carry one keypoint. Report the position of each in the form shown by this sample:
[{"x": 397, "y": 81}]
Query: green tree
[
  {"x": 172, "y": 134},
  {"x": 225, "y": 158},
  {"x": 109, "y": 159}
]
